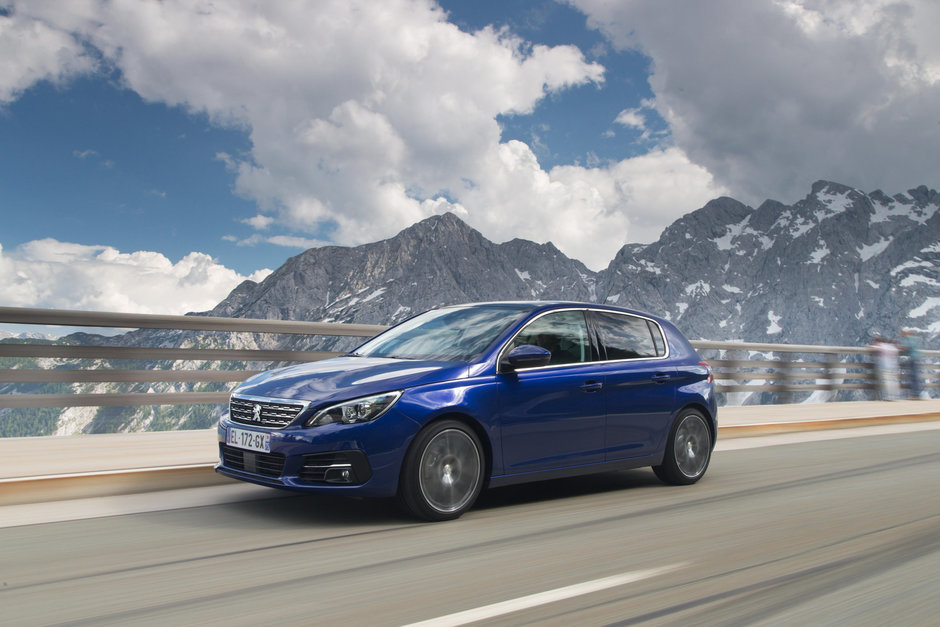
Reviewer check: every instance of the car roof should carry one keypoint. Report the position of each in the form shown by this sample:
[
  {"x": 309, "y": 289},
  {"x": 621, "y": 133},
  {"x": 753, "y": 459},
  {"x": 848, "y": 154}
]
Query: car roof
[{"x": 558, "y": 304}]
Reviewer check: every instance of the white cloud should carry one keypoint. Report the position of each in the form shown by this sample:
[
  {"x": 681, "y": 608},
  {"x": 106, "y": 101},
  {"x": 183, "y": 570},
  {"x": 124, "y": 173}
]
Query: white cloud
[
  {"x": 32, "y": 50},
  {"x": 52, "y": 274},
  {"x": 287, "y": 241},
  {"x": 631, "y": 118},
  {"x": 589, "y": 213},
  {"x": 367, "y": 117},
  {"x": 770, "y": 95},
  {"x": 259, "y": 222}
]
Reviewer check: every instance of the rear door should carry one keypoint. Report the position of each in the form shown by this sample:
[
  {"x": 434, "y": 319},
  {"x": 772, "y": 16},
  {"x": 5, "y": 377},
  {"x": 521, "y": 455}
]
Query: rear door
[{"x": 639, "y": 382}]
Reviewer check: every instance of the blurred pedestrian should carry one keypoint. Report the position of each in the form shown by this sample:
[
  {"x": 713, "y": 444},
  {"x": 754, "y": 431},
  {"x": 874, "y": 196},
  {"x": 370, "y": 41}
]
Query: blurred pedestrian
[
  {"x": 910, "y": 348},
  {"x": 886, "y": 367}
]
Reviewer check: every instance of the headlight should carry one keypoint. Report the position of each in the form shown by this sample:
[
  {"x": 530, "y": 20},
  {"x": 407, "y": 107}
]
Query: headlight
[{"x": 354, "y": 411}]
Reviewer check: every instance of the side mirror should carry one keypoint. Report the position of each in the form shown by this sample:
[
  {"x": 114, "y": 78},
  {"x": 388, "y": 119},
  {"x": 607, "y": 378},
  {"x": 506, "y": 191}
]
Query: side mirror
[{"x": 527, "y": 356}]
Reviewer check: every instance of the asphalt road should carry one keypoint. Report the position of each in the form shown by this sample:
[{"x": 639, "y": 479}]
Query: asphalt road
[{"x": 835, "y": 531}]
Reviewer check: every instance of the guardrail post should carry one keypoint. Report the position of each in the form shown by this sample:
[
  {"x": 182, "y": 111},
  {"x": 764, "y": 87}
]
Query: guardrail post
[
  {"x": 831, "y": 360},
  {"x": 786, "y": 370}
]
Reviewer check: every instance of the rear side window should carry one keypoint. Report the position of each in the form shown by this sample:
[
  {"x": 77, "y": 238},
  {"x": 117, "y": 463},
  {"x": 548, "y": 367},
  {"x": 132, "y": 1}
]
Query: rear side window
[
  {"x": 628, "y": 337},
  {"x": 658, "y": 339}
]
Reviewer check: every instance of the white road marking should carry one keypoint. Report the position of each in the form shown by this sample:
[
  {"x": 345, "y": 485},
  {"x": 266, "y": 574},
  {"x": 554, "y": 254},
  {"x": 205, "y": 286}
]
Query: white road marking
[{"x": 543, "y": 598}]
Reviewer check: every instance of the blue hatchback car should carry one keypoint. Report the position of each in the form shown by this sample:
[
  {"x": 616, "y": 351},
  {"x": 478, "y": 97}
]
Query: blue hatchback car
[{"x": 460, "y": 398}]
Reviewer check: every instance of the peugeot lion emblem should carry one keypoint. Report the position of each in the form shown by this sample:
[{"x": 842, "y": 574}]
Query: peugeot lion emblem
[{"x": 256, "y": 413}]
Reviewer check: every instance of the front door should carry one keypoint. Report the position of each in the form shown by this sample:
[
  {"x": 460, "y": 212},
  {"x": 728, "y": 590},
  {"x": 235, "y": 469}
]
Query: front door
[{"x": 553, "y": 416}]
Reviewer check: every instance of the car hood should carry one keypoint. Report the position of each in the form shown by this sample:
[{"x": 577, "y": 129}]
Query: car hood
[{"x": 343, "y": 378}]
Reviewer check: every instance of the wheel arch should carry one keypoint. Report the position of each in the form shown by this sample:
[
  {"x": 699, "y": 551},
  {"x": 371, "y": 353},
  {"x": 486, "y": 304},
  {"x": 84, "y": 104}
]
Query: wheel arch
[
  {"x": 477, "y": 428},
  {"x": 711, "y": 420}
]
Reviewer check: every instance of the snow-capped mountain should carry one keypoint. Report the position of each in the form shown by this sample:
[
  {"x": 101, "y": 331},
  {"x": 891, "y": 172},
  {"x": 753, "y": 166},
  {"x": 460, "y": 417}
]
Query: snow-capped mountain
[
  {"x": 26, "y": 335},
  {"x": 830, "y": 269}
]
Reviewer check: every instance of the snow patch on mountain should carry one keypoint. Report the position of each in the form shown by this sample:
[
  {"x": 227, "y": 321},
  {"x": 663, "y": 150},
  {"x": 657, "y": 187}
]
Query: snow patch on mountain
[
  {"x": 774, "y": 327},
  {"x": 928, "y": 305},
  {"x": 866, "y": 252},
  {"x": 833, "y": 203},
  {"x": 375, "y": 294},
  {"x": 820, "y": 253}
]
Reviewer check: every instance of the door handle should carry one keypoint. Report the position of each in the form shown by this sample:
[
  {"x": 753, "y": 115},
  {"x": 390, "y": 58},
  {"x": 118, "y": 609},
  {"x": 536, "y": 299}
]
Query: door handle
[
  {"x": 661, "y": 377},
  {"x": 592, "y": 386}
]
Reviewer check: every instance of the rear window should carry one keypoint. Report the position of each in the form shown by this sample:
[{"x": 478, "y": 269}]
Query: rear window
[{"x": 628, "y": 337}]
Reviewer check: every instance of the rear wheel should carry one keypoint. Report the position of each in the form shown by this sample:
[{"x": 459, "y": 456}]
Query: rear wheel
[
  {"x": 688, "y": 450},
  {"x": 443, "y": 471}
]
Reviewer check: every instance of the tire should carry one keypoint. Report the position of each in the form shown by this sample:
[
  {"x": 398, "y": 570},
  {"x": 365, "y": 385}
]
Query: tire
[
  {"x": 442, "y": 474},
  {"x": 688, "y": 450}
]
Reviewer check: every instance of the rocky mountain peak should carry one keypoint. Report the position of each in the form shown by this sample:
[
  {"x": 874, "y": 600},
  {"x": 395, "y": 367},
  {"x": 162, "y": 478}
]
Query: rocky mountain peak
[{"x": 826, "y": 270}]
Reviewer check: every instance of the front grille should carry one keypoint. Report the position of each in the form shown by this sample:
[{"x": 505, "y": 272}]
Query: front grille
[
  {"x": 269, "y": 413},
  {"x": 267, "y": 464},
  {"x": 336, "y": 467}
]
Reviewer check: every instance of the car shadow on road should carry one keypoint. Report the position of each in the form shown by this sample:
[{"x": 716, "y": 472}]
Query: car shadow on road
[
  {"x": 327, "y": 510},
  {"x": 570, "y": 487}
]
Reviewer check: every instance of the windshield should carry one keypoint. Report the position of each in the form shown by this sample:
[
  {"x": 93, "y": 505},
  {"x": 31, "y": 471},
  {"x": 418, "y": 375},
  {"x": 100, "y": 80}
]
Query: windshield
[{"x": 451, "y": 334}]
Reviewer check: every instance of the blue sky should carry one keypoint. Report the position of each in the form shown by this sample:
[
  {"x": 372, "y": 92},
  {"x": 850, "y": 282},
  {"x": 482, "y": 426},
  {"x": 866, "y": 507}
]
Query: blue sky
[
  {"x": 153, "y": 155},
  {"x": 102, "y": 166}
]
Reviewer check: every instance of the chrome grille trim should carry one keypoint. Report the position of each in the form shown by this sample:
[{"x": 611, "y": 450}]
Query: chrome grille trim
[{"x": 274, "y": 413}]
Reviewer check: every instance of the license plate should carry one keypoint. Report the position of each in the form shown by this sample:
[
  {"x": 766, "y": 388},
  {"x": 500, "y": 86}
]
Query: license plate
[{"x": 249, "y": 440}]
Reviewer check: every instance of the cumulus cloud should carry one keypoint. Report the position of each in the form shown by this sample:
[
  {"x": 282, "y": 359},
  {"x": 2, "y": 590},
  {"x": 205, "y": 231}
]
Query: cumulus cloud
[
  {"x": 365, "y": 117},
  {"x": 770, "y": 95},
  {"x": 588, "y": 211},
  {"x": 61, "y": 275}
]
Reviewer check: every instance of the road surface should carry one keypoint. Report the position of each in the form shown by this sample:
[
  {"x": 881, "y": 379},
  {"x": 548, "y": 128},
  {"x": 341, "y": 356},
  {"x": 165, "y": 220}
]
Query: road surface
[{"x": 825, "y": 531}]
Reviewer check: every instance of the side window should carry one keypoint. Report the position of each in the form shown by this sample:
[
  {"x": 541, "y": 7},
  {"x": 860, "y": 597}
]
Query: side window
[
  {"x": 564, "y": 334},
  {"x": 626, "y": 337},
  {"x": 658, "y": 339}
]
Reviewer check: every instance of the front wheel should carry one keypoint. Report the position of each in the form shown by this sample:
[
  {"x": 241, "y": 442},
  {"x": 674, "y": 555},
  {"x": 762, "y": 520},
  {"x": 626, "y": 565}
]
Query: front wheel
[
  {"x": 442, "y": 474},
  {"x": 688, "y": 450}
]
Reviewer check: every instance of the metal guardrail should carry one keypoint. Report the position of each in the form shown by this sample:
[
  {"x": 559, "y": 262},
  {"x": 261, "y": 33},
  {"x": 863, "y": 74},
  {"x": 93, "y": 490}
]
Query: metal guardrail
[
  {"x": 145, "y": 321},
  {"x": 739, "y": 367}
]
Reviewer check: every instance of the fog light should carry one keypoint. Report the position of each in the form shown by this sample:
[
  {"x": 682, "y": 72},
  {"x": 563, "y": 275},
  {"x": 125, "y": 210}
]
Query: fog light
[{"x": 342, "y": 474}]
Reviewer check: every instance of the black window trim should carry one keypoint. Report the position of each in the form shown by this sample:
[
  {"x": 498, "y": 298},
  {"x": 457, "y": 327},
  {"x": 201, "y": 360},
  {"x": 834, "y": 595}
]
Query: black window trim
[{"x": 598, "y": 350}]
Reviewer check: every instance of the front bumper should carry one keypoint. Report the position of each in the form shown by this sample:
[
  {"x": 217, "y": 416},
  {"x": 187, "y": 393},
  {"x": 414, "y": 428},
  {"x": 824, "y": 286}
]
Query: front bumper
[{"x": 360, "y": 460}]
